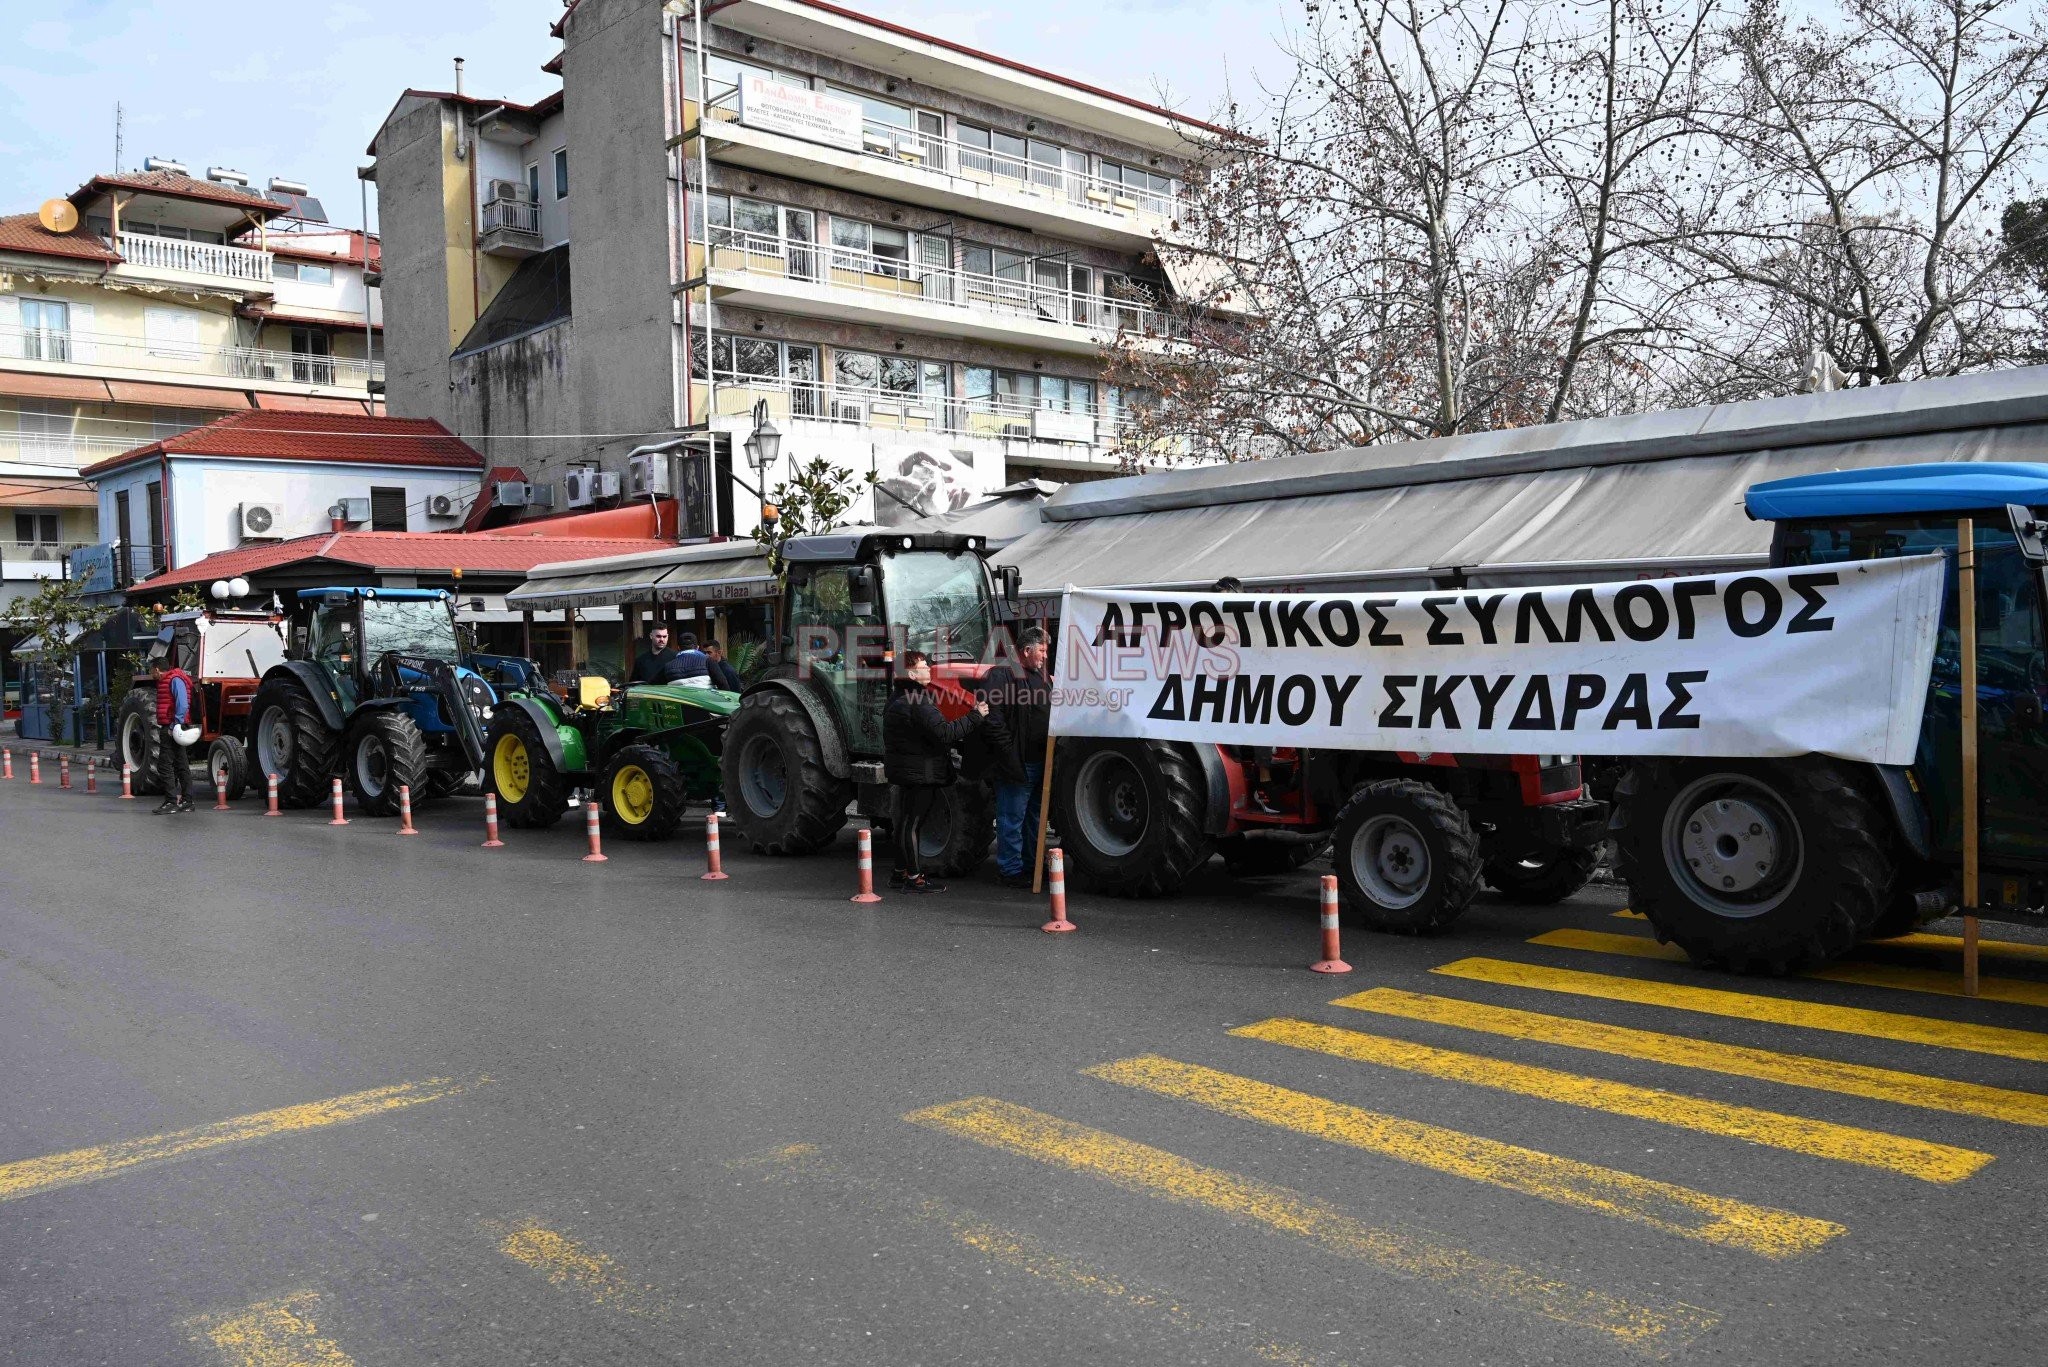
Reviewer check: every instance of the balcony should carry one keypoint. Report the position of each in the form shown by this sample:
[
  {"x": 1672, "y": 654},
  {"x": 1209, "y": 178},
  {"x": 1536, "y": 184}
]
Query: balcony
[
  {"x": 194, "y": 258},
  {"x": 788, "y": 276},
  {"x": 34, "y": 559},
  {"x": 510, "y": 228},
  {"x": 97, "y": 353},
  {"x": 943, "y": 173}
]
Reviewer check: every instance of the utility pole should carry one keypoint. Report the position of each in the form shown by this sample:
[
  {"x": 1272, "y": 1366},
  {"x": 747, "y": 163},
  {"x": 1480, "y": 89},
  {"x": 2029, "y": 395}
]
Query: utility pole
[{"x": 117, "y": 137}]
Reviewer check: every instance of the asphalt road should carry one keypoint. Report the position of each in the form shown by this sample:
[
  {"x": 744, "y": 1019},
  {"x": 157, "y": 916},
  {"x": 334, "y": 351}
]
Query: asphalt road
[{"x": 284, "y": 1093}]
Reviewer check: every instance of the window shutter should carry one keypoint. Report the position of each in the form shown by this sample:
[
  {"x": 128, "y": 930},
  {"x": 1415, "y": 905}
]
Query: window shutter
[
  {"x": 84, "y": 342},
  {"x": 10, "y": 327},
  {"x": 387, "y": 510}
]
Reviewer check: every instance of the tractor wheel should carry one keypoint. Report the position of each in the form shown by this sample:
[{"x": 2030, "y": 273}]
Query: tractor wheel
[
  {"x": 641, "y": 794},
  {"x": 776, "y": 787},
  {"x": 291, "y": 739},
  {"x": 1244, "y": 857},
  {"x": 227, "y": 767},
  {"x": 959, "y": 830},
  {"x": 135, "y": 736},
  {"x": 445, "y": 783},
  {"x": 1757, "y": 866},
  {"x": 532, "y": 793},
  {"x": 1406, "y": 857},
  {"x": 1129, "y": 814},
  {"x": 1542, "y": 879},
  {"x": 385, "y": 753}
]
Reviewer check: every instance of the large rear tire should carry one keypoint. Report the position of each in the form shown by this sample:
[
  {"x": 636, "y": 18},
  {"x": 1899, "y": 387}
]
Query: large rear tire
[
  {"x": 1129, "y": 814},
  {"x": 1406, "y": 857},
  {"x": 227, "y": 767},
  {"x": 959, "y": 830},
  {"x": 292, "y": 740},
  {"x": 532, "y": 793},
  {"x": 386, "y": 752},
  {"x": 136, "y": 738},
  {"x": 1542, "y": 879},
  {"x": 776, "y": 788},
  {"x": 1758, "y": 866},
  {"x": 641, "y": 792}
]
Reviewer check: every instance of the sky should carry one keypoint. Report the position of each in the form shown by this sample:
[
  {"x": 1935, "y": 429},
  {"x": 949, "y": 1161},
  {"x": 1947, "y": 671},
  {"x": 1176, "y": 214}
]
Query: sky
[{"x": 298, "y": 91}]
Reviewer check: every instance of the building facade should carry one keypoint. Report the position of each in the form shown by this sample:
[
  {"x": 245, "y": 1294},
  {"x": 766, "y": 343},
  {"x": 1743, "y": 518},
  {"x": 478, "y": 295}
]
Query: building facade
[{"x": 906, "y": 255}]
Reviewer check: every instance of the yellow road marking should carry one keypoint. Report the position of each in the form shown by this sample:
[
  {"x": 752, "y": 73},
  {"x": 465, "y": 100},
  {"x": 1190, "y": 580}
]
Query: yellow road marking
[
  {"x": 1953, "y": 944},
  {"x": 1919, "y": 1158},
  {"x": 565, "y": 1262},
  {"x": 278, "y": 1333},
  {"x": 1794, "y": 1070},
  {"x": 1627, "y": 915},
  {"x": 1546, "y": 1176},
  {"x": 1713, "y": 1001},
  {"x": 1941, "y": 983},
  {"x": 33, "y": 1176},
  {"x": 1659, "y": 1329}
]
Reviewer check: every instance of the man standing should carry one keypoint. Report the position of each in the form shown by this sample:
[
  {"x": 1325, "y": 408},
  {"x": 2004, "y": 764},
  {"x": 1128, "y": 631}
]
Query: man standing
[
  {"x": 1020, "y": 710},
  {"x": 173, "y": 713},
  {"x": 723, "y": 675},
  {"x": 688, "y": 666},
  {"x": 652, "y": 665}
]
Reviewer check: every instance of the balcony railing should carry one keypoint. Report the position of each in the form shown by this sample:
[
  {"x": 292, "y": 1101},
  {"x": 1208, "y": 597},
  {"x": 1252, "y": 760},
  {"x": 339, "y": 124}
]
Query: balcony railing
[
  {"x": 63, "y": 450},
  {"x": 118, "y": 351},
  {"x": 511, "y": 215},
  {"x": 984, "y": 415},
  {"x": 202, "y": 258},
  {"x": 904, "y": 280},
  {"x": 34, "y": 559},
  {"x": 950, "y": 159}
]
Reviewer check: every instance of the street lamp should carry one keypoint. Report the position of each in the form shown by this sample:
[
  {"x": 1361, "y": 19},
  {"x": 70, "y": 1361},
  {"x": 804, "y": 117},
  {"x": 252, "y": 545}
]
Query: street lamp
[{"x": 766, "y": 442}]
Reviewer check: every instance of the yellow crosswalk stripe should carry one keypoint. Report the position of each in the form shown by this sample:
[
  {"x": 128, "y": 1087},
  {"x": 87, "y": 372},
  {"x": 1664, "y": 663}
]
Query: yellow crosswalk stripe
[
  {"x": 276, "y": 1333},
  {"x": 1939, "y": 982},
  {"x": 1793, "y": 1070},
  {"x": 1943, "y": 944},
  {"x": 568, "y": 1263},
  {"x": 1930, "y": 1162},
  {"x": 1547, "y": 1176},
  {"x": 1714, "y": 1001},
  {"x": 1659, "y": 1328}
]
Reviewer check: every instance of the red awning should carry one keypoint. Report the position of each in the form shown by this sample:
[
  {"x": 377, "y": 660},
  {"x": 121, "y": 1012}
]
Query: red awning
[
  {"x": 176, "y": 395},
  {"x": 26, "y": 386}
]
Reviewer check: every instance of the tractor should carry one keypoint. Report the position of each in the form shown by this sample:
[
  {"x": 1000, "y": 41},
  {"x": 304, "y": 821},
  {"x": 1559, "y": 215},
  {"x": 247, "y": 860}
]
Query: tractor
[
  {"x": 227, "y": 651},
  {"x": 647, "y": 751},
  {"x": 377, "y": 689},
  {"x": 1769, "y": 865}
]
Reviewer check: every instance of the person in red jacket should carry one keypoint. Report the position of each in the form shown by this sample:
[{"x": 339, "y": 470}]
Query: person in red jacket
[{"x": 173, "y": 711}]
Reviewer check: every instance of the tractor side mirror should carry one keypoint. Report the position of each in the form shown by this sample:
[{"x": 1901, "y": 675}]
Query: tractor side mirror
[
  {"x": 2032, "y": 535},
  {"x": 1009, "y": 583},
  {"x": 860, "y": 583}
]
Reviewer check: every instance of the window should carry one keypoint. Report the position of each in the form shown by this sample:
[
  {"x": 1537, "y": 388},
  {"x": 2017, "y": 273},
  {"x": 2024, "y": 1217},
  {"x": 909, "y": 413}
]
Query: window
[
  {"x": 757, "y": 359},
  {"x": 851, "y": 238},
  {"x": 727, "y": 71},
  {"x": 754, "y": 216},
  {"x": 32, "y": 529},
  {"x": 281, "y": 269},
  {"x": 533, "y": 182},
  {"x": 899, "y": 375},
  {"x": 124, "y": 572},
  {"x": 46, "y": 429},
  {"x": 876, "y": 109},
  {"x": 387, "y": 509},
  {"x": 311, "y": 274},
  {"x": 561, "y": 173},
  {"x": 153, "y": 495},
  {"x": 891, "y": 247},
  {"x": 45, "y": 330},
  {"x": 171, "y": 332},
  {"x": 312, "y": 356},
  {"x": 856, "y": 370}
]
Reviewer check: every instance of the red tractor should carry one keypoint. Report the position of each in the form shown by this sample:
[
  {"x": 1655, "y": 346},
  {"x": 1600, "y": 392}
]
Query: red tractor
[{"x": 226, "y": 651}]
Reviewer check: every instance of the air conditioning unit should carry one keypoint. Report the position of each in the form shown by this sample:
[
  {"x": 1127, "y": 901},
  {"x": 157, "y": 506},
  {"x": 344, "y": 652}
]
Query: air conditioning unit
[
  {"x": 511, "y": 493},
  {"x": 261, "y": 521},
  {"x": 354, "y": 510},
  {"x": 508, "y": 189},
  {"x": 607, "y": 483},
  {"x": 442, "y": 506},
  {"x": 579, "y": 488},
  {"x": 848, "y": 410},
  {"x": 540, "y": 495},
  {"x": 647, "y": 475}
]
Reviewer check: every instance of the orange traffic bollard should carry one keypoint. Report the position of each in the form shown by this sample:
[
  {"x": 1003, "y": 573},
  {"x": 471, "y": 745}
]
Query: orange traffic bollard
[
  {"x": 35, "y": 766},
  {"x": 63, "y": 771},
  {"x": 713, "y": 870},
  {"x": 1333, "y": 957},
  {"x": 491, "y": 841},
  {"x": 270, "y": 782},
  {"x": 339, "y": 819},
  {"x": 6, "y": 764},
  {"x": 220, "y": 792},
  {"x": 865, "y": 862},
  {"x": 92, "y": 776},
  {"x": 1056, "y": 884},
  {"x": 405, "y": 826},
  {"x": 127, "y": 781},
  {"x": 591, "y": 817}
]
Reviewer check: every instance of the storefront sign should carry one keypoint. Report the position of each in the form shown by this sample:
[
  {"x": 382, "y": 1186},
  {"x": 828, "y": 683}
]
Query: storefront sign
[
  {"x": 779, "y": 107},
  {"x": 1829, "y": 659},
  {"x": 92, "y": 567}
]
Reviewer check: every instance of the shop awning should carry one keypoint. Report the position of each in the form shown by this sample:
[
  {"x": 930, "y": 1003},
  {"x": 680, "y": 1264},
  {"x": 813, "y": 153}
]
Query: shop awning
[{"x": 720, "y": 571}]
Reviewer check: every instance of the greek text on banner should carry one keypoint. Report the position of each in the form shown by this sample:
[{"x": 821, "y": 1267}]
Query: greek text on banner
[{"x": 1829, "y": 659}]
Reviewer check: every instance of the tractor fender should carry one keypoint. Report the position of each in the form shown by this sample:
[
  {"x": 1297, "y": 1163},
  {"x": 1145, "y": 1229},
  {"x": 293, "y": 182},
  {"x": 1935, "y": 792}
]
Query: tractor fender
[
  {"x": 831, "y": 740},
  {"x": 1216, "y": 776},
  {"x": 316, "y": 683},
  {"x": 550, "y": 728},
  {"x": 1908, "y": 812}
]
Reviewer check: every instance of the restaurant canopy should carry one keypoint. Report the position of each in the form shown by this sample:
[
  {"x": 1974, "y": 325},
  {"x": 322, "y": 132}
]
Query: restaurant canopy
[{"x": 723, "y": 571}]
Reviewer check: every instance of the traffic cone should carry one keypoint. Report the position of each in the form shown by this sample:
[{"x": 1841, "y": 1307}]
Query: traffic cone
[
  {"x": 591, "y": 817},
  {"x": 92, "y": 776},
  {"x": 220, "y": 792},
  {"x": 405, "y": 826},
  {"x": 713, "y": 870},
  {"x": 6, "y": 764},
  {"x": 491, "y": 841},
  {"x": 1056, "y": 884},
  {"x": 35, "y": 766},
  {"x": 865, "y": 862},
  {"x": 1333, "y": 956},
  {"x": 127, "y": 781},
  {"x": 270, "y": 783},
  {"x": 63, "y": 771},
  {"x": 339, "y": 819}
]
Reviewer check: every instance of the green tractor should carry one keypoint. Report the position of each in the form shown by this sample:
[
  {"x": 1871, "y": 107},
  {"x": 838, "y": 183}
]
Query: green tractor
[
  {"x": 646, "y": 752},
  {"x": 1767, "y": 865}
]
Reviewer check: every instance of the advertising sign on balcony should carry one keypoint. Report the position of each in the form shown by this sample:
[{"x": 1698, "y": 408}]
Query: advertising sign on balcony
[
  {"x": 92, "y": 568},
  {"x": 779, "y": 107}
]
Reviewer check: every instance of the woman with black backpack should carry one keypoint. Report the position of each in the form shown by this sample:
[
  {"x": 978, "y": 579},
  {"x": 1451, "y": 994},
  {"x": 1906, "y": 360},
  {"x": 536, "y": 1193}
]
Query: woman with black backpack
[{"x": 917, "y": 758}]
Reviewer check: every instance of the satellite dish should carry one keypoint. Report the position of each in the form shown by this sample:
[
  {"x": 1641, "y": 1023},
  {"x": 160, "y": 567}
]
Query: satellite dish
[{"x": 58, "y": 215}]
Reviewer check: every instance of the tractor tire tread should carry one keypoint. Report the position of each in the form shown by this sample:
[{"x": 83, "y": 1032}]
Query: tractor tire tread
[
  {"x": 821, "y": 800},
  {"x": 547, "y": 791},
  {"x": 670, "y": 796},
  {"x": 409, "y": 763},
  {"x": 316, "y": 750},
  {"x": 1458, "y": 854}
]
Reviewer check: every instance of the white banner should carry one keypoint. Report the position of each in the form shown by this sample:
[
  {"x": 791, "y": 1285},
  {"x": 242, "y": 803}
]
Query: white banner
[
  {"x": 1831, "y": 659},
  {"x": 779, "y": 107}
]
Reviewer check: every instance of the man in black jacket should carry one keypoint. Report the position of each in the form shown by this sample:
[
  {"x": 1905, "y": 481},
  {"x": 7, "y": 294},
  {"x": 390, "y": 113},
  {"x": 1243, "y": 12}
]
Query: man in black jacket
[
  {"x": 653, "y": 662},
  {"x": 723, "y": 675},
  {"x": 1020, "y": 710},
  {"x": 917, "y": 758}
]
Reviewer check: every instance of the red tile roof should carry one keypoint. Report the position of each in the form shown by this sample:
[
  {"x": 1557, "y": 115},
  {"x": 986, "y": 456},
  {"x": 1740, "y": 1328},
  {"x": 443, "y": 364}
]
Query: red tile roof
[
  {"x": 268, "y": 434},
  {"x": 287, "y": 246},
  {"x": 502, "y": 553},
  {"x": 180, "y": 187},
  {"x": 26, "y": 233}
]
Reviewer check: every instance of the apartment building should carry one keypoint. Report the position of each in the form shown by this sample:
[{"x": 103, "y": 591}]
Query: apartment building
[
  {"x": 147, "y": 303},
  {"x": 901, "y": 254}
]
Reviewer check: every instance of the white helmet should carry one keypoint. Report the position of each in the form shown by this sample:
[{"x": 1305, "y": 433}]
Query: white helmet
[{"x": 185, "y": 735}]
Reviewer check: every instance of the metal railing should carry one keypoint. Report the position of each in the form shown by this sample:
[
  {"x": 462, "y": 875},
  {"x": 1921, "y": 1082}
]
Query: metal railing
[
  {"x": 951, "y": 159},
  {"x": 115, "y": 350},
  {"x": 983, "y": 415},
  {"x": 511, "y": 215},
  {"x": 995, "y": 296},
  {"x": 12, "y": 549},
  {"x": 64, "y": 450},
  {"x": 203, "y": 258}
]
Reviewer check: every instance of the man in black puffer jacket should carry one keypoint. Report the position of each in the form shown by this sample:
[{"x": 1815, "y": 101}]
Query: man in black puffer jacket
[{"x": 917, "y": 757}]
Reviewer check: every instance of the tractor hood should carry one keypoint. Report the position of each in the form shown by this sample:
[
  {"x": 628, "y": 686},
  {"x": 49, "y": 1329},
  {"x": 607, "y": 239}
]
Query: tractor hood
[{"x": 712, "y": 701}]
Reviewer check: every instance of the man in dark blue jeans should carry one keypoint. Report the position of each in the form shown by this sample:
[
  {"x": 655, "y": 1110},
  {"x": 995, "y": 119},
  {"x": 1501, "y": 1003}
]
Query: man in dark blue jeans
[{"x": 1019, "y": 697}]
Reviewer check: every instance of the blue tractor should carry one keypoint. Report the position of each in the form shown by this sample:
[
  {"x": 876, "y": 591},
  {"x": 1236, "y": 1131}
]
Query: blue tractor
[
  {"x": 379, "y": 690},
  {"x": 1767, "y": 865}
]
